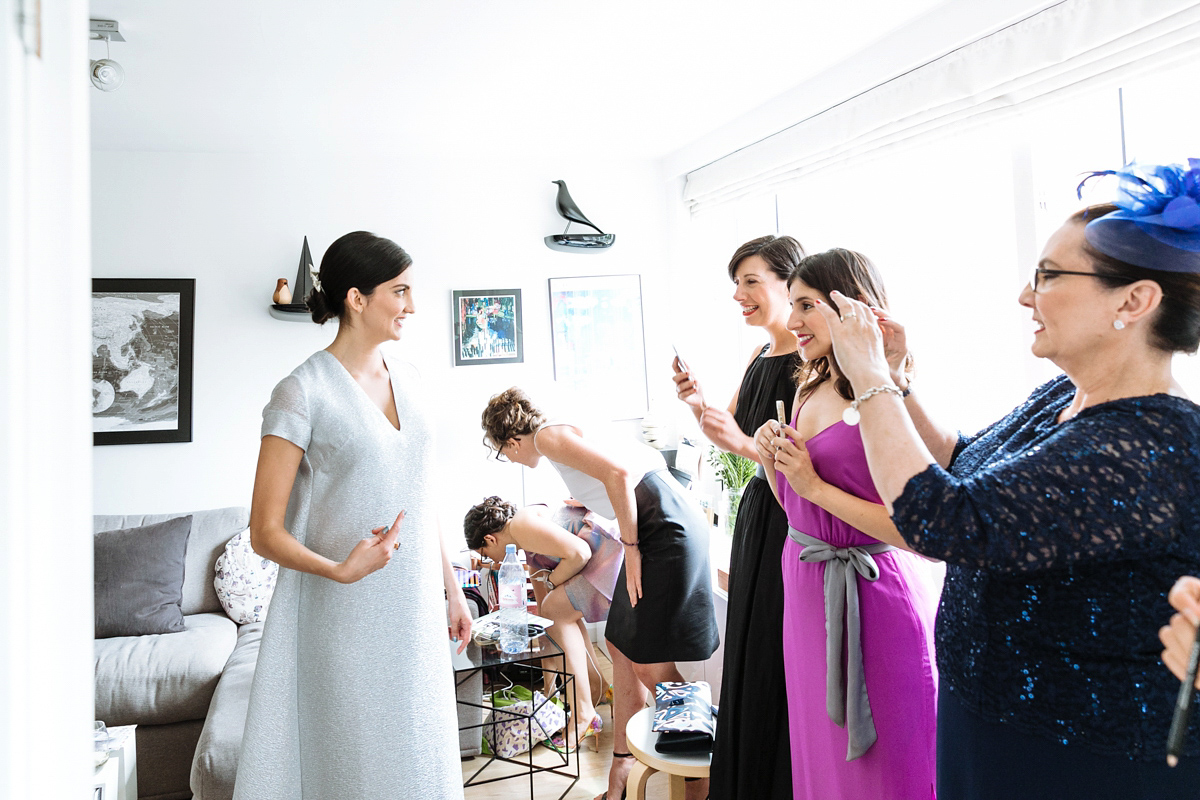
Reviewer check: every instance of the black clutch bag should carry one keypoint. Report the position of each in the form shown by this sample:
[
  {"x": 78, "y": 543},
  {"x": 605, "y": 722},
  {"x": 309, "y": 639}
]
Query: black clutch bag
[{"x": 683, "y": 717}]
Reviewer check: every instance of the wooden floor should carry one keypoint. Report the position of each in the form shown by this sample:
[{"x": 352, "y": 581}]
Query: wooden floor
[{"x": 593, "y": 770}]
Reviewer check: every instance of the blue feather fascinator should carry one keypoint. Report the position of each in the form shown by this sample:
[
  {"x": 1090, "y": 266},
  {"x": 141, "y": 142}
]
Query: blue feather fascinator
[{"x": 1157, "y": 222}]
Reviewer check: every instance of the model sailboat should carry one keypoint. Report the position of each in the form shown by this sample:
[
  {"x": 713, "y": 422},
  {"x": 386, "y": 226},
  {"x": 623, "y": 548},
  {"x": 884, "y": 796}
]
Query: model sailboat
[{"x": 303, "y": 284}]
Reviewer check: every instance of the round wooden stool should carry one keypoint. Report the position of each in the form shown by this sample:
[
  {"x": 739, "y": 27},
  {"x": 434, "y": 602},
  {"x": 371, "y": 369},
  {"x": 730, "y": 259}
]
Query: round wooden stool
[{"x": 649, "y": 761}]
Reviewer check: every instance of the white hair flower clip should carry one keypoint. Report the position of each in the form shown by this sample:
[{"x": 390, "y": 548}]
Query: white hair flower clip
[{"x": 314, "y": 272}]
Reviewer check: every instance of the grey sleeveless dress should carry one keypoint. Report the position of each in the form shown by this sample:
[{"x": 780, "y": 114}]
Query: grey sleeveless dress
[{"x": 353, "y": 694}]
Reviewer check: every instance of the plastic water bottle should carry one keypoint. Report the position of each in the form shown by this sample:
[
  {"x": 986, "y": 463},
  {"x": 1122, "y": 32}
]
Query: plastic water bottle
[{"x": 514, "y": 635}]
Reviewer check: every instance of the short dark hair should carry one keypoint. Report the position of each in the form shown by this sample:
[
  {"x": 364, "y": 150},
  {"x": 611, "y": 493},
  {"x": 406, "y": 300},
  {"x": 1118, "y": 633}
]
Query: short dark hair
[
  {"x": 781, "y": 253},
  {"x": 358, "y": 260},
  {"x": 488, "y": 517},
  {"x": 1176, "y": 326},
  {"x": 508, "y": 415},
  {"x": 853, "y": 275}
]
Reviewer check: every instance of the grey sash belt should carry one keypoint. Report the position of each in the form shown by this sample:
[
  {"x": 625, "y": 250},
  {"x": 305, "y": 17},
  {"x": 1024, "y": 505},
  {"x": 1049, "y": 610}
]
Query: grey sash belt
[
  {"x": 845, "y": 688},
  {"x": 761, "y": 472}
]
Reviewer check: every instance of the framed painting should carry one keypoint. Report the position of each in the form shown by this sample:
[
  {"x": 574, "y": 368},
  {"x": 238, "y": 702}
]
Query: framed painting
[
  {"x": 487, "y": 327},
  {"x": 142, "y": 334},
  {"x": 598, "y": 340}
]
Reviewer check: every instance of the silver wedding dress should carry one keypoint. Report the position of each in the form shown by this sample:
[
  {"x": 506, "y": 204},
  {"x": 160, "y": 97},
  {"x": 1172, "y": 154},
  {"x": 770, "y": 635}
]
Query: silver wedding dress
[{"x": 353, "y": 693}]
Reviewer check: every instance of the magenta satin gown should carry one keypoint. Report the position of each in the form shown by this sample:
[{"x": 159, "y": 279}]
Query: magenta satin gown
[{"x": 897, "y": 613}]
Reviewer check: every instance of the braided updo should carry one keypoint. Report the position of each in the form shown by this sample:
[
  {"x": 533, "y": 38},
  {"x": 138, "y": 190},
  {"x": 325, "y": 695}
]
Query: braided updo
[{"x": 490, "y": 516}]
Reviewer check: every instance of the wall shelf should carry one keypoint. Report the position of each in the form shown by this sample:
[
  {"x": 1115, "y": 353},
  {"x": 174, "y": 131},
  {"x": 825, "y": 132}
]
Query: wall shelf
[{"x": 290, "y": 316}]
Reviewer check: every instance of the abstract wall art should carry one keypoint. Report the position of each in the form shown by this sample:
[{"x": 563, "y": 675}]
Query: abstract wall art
[{"x": 598, "y": 340}]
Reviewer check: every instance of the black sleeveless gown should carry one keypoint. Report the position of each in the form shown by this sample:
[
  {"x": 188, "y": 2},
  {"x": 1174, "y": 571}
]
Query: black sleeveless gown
[{"x": 751, "y": 757}]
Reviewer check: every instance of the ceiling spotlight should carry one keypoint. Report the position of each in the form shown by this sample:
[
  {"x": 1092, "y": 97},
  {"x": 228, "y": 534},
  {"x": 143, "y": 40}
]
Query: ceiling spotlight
[{"x": 106, "y": 74}]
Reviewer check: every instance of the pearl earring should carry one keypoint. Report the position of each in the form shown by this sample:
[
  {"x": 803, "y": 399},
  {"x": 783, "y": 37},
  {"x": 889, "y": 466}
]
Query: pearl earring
[{"x": 1118, "y": 324}]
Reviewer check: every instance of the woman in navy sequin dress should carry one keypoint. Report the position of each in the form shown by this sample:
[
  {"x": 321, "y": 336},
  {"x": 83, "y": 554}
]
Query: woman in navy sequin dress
[{"x": 1064, "y": 524}]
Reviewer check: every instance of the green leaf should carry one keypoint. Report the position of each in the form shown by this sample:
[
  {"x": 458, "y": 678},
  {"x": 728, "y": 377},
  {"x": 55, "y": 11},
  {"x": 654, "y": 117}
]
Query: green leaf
[{"x": 733, "y": 471}]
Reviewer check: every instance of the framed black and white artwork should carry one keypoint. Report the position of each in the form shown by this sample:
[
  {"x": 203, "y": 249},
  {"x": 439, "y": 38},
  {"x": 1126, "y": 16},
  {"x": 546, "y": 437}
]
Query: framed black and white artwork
[
  {"x": 142, "y": 333},
  {"x": 598, "y": 340},
  {"x": 487, "y": 327}
]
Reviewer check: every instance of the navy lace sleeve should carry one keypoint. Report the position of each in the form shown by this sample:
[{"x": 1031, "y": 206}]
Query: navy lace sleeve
[
  {"x": 1116, "y": 482},
  {"x": 1061, "y": 542}
]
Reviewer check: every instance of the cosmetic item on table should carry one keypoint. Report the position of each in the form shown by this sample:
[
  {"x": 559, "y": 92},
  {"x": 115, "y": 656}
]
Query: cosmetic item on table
[{"x": 467, "y": 578}]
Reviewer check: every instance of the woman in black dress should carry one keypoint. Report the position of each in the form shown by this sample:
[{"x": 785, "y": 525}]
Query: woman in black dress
[{"x": 751, "y": 756}]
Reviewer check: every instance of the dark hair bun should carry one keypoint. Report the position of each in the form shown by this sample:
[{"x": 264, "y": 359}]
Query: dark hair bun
[
  {"x": 317, "y": 306},
  {"x": 359, "y": 260}
]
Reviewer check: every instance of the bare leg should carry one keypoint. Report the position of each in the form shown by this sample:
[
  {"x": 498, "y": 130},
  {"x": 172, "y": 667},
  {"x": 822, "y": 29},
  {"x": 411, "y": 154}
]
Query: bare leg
[
  {"x": 573, "y": 641},
  {"x": 595, "y": 678},
  {"x": 629, "y": 697},
  {"x": 554, "y": 663}
]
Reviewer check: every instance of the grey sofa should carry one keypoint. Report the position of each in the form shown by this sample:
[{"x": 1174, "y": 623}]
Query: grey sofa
[
  {"x": 167, "y": 684},
  {"x": 189, "y": 692}
]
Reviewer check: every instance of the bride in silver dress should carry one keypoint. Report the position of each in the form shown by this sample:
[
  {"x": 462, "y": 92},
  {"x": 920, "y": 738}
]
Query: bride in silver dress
[{"x": 353, "y": 694}]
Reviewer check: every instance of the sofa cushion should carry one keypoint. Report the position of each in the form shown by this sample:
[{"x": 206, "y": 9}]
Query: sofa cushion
[
  {"x": 215, "y": 765},
  {"x": 139, "y": 578},
  {"x": 245, "y": 581},
  {"x": 150, "y": 680},
  {"x": 211, "y": 529}
]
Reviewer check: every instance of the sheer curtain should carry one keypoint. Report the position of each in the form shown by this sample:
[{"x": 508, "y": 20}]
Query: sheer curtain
[
  {"x": 954, "y": 201},
  {"x": 1071, "y": 47}
]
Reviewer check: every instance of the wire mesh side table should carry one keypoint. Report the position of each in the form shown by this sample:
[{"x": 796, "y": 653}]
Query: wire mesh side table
[{"x": 530, "y": 671}]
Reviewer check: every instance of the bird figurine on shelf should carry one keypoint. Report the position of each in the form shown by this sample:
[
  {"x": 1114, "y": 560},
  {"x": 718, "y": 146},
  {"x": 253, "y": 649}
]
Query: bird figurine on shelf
[
  {"x": 283, "y": 295},
  {"x": 576, "y": 242}
]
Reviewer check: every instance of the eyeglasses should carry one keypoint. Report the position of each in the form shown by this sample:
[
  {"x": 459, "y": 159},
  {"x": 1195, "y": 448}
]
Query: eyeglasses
[{"x": 1037, "y": 272}]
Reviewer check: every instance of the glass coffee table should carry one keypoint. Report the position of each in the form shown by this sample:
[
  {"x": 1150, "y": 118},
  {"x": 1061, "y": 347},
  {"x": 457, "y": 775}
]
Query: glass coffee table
[{"x": 526, "y": 669}]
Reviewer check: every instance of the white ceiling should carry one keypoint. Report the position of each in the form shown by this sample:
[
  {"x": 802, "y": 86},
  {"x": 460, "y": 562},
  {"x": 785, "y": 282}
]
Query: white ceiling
[{"x": 619, "y": 78}]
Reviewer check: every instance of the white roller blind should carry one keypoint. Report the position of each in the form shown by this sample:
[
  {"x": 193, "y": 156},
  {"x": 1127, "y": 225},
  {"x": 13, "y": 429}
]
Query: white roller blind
[{"x": 1072, "y": 46}]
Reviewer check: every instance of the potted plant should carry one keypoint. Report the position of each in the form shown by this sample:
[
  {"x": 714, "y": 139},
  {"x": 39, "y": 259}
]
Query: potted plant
[{"x": 733, "y": 472}]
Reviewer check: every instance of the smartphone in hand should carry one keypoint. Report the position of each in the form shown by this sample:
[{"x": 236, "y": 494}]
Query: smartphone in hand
[{"x": 683, "y": 367}]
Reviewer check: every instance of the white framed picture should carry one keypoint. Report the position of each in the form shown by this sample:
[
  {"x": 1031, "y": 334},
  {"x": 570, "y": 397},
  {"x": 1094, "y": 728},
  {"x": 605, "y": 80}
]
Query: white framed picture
[{"x": 599, "y": 340}]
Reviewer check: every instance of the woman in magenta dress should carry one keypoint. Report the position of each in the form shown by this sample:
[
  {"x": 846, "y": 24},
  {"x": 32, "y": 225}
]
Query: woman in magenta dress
[{"x": 858, "y": 614}]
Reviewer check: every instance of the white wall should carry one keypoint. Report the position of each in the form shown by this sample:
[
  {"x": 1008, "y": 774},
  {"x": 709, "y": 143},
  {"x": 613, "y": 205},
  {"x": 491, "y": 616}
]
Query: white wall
[
  {"x": 46, "y": 701},
  {"x": 235, "y": 222}
]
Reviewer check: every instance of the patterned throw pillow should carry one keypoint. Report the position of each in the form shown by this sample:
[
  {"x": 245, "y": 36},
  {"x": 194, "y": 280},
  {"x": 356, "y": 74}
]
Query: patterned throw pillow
[{"x": 244, "y": 581}]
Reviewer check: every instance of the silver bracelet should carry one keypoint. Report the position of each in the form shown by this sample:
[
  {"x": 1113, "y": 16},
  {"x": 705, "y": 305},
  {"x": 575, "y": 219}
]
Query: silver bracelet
[{"x": 851, "y": 416}]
